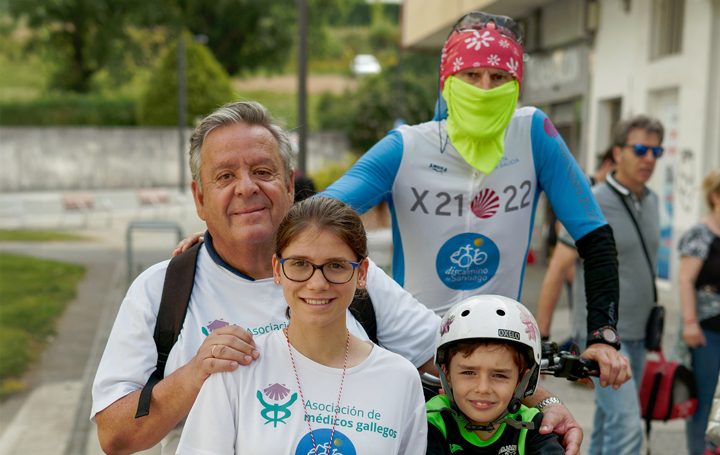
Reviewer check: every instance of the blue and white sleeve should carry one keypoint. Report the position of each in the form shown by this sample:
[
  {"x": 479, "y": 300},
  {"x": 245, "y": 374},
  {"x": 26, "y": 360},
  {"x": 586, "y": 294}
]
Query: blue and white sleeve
[
  {"x": 577, "y": 209},
  {"x": 369, "y": 182},
  {"x": 564, "y": 183}
]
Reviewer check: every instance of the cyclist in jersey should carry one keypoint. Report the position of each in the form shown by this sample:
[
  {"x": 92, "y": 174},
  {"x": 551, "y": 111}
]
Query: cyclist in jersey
[
  {"x": 463, "y": 191},
  {"x": 316, "y": 389}
]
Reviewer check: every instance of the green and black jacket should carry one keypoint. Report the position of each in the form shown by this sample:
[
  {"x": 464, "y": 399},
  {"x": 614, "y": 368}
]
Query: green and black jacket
[{"x": 446, "y": 435}]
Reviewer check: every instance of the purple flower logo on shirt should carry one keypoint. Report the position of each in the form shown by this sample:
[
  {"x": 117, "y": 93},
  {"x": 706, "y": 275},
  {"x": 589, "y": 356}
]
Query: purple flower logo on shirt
[{"x": 216, "y": 324}]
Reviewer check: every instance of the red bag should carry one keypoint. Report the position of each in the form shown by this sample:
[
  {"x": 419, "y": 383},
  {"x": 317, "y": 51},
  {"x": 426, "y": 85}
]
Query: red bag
[{"x": 667, "y": 391}]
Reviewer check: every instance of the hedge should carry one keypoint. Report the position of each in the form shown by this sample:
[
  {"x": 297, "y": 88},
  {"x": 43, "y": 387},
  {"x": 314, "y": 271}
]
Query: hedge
[
  {"x": 207, "y": 83},
  {"x": 69, "y": 110}
]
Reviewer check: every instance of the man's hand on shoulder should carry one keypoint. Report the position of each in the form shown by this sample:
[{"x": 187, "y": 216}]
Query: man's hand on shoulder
[
  {"x": 223, "y": 350},
  {"x": 121, "y": 433},
  {"x": 557, "y": 419},
  {"x": 188, "y": 242},
  {"x": 614, "y": 367}
]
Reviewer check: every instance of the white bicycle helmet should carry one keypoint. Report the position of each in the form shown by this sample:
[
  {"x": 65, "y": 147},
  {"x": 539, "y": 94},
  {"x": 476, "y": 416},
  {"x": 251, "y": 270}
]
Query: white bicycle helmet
[{"x": 491, "y": 317}]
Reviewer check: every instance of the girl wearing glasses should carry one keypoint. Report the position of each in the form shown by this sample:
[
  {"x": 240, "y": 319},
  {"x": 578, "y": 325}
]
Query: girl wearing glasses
[{"x": 316, "y": 389}]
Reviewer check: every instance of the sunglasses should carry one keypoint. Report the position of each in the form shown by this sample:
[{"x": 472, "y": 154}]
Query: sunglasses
[
  {"x": 641, "y": 150},
  {"x": 478, "y": 20}
]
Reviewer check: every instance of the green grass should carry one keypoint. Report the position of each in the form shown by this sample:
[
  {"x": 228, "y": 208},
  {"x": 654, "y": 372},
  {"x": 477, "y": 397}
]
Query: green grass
[
  {"x": 28, "y": 235},
  {"x": 33, "y": 294}
]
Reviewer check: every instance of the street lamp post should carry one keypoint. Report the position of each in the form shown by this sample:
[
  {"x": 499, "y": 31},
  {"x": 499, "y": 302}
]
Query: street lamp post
[
  {"x": 182, "y": 101},
  {"x": 302, "y": 87},
  {"x": 182, "y": 107}
]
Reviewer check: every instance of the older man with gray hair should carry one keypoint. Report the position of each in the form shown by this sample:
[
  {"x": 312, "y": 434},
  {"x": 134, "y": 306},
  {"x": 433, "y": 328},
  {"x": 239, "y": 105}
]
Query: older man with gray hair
[{"x": 242, "y": 185}]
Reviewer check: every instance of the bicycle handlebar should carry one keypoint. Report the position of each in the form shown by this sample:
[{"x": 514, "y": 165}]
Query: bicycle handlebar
[{"x": 566, "y": 364}]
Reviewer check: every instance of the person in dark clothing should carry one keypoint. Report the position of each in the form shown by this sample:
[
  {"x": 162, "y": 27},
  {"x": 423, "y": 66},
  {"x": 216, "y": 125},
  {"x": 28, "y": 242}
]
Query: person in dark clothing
[{"x": 304, "y": 187}]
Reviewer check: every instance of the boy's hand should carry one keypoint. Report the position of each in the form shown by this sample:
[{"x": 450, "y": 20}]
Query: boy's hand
[{"x": 557, "y": 419}]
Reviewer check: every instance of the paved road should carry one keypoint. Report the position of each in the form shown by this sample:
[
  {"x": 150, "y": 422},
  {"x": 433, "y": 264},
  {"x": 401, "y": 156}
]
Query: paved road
[{"x": 51, "y": 417}]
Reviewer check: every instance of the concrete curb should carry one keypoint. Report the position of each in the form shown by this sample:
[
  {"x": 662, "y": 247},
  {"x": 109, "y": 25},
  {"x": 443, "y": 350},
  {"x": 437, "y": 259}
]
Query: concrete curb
[{"x": 45, "y": 423}]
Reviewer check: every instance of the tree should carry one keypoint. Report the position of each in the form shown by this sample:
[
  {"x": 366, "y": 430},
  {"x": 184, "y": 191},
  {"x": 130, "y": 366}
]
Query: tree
[
  {"x": 84, "y": 34},
  {"x": 248, "y": 34},
  {"x": 368, "y": 114},
  {"x": 208, "y": 87}
]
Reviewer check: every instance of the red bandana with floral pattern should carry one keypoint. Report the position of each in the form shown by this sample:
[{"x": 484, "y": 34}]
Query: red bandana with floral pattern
[{"x": 480, "y": 48}]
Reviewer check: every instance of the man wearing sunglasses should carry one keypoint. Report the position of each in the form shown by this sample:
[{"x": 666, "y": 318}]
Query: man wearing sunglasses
[
  {"x": 463, "y": 193},
  {"x": 632, "y": 211}
]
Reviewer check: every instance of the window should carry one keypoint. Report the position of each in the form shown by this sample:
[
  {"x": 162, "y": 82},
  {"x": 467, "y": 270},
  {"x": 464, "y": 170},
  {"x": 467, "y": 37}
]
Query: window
[
  {"x": 667, "y": 27},
  {"x": 609, "y": 113}
]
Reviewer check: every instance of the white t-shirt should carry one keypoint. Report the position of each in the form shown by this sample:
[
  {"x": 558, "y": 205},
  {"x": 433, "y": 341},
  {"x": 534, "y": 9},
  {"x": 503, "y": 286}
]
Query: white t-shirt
[
  {"x": 222, "y": 296},
  {"x": 258, "y": 408}
]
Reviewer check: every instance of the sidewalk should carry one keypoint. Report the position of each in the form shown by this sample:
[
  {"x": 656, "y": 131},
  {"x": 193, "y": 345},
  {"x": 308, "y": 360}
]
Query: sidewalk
[{"x": 51, "y": 417}]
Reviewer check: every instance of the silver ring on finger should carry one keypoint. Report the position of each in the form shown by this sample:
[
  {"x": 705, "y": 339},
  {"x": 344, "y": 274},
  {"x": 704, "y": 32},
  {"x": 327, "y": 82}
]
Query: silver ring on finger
[{"x": 212, "y": 351}]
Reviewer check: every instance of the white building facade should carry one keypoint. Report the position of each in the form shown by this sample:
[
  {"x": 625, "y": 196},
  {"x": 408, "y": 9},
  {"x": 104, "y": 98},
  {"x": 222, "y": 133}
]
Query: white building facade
[{"x": 662, "y": 58}]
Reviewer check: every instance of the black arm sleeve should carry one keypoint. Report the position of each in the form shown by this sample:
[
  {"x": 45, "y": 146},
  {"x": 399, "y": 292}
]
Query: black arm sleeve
[
  {"x": 437, "y": 444},
  {"x": 602, "y": 285},
  {"x": 542, "y": 444}
]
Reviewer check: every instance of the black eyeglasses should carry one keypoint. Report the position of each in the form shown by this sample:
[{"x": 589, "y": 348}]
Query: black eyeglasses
[
  {"x": 300, "y": 270},
  {"x": 477, "y": 20},
  {"x": 641, "y": 150}
]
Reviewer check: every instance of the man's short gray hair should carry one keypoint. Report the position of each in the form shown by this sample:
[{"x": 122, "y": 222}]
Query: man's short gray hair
[
  {"x": 649, "y": 124},
  {"x": 243, "y": 112}
]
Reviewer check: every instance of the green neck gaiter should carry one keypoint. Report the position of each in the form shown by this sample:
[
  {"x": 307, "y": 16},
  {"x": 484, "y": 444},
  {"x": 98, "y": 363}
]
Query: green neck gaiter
[{"x": 477, "y": 120}]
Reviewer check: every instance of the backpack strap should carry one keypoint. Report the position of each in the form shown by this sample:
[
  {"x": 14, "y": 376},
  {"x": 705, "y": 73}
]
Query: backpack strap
[
  {"x": 642, "y": 239},
  {"x": 178, "y": 285},
  {"x": 651, "y": 405},
  {"x": 362, "y": 309}
]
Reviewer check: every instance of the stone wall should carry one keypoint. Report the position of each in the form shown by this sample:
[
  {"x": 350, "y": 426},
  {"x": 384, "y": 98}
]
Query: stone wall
[{"x": 91, "y": 158}]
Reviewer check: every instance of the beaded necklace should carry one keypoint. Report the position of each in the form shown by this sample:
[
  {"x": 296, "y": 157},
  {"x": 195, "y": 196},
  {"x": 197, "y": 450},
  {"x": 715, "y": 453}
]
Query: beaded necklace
[{"x": 302, "y": 398}]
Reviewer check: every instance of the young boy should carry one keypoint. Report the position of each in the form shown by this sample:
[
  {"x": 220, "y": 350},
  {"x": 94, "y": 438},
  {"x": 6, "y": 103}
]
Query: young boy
[{"x": 488, "y": 355}]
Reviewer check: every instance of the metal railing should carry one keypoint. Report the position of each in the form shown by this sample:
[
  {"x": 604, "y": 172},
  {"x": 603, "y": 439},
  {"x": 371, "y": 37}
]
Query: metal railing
[{"x": 147, "y": 226}]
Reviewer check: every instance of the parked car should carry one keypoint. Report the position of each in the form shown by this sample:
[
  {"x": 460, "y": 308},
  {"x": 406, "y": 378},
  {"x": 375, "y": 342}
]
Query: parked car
[{"x": 364, "y": 64}]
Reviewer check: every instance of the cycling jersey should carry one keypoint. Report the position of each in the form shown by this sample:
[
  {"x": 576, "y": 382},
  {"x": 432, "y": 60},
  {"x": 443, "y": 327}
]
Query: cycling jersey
[
  {"x": 447, "y": 435},
  {"x": 458, "y": 232}
]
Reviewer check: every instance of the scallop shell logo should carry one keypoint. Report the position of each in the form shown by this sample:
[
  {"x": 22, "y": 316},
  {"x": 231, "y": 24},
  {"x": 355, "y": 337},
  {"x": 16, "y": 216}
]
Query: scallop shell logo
[
  {"x": 276, "y": 392},
  {"x": 485, "y": 204},
  {"x": 549, "y": 128}
]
